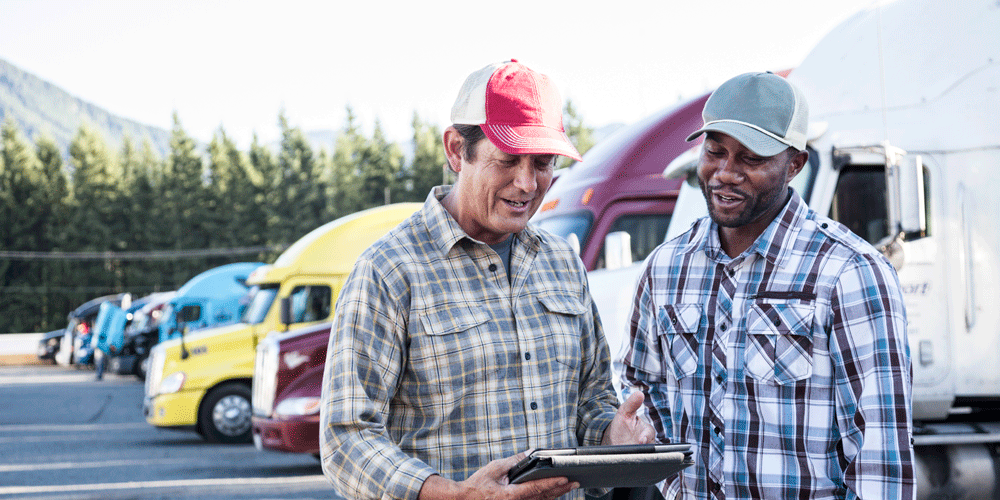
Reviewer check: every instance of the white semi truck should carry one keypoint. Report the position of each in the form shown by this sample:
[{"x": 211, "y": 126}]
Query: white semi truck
[{"x": 905, "y": 150}]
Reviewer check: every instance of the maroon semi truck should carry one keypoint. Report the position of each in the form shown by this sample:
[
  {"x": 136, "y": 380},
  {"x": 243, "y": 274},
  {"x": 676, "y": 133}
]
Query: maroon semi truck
[
  {"x": 619, "y": 189},
  {"x": 287, "y": 379}
]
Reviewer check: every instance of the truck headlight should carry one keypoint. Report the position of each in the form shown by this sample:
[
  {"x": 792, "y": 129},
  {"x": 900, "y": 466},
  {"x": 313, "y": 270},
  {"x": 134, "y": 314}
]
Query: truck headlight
[
  {"x": 297, "y": 406},
  {"x": 172, "y": 383}
]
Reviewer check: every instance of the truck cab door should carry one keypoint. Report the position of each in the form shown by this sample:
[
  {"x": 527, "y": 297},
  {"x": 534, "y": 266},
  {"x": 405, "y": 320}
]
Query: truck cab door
[{"x": 883, "y": 194}]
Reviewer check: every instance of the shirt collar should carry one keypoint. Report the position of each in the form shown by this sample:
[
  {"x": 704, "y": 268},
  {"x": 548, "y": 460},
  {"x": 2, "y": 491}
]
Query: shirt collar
[
  {"x": 446, "y": 233},
  {"x": 776, "y": 242}
]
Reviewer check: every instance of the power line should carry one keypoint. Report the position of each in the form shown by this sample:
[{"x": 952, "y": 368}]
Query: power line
[
  {"x": 43, "y": 290},
  {"x": 141, "y": 255}
]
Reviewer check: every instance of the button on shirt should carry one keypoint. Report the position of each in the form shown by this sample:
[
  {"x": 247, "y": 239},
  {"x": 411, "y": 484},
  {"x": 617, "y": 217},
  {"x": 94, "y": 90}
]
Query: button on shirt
[
  {"x": 437, "y": 365},
  {"x": 787, "y": 366}
]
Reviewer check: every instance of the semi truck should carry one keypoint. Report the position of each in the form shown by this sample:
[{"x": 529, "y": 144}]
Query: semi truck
[
  {"x": 79, "y": 327},
  {"x": 214, "y": 297},
  {"x": 904, "y": 147},
  {"x": 616, "y": 205},
  {"x": 131, "y": 347},
  {"x": 618, "y": 189},
  {"x": 202, "y": 381},
  {"x": 287, "y": 381}
]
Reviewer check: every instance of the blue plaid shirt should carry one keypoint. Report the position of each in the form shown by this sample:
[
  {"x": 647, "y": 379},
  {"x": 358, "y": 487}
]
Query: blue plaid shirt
[
  {"x": 787, "y": 367},
  {"x": 438, "y": 364}
]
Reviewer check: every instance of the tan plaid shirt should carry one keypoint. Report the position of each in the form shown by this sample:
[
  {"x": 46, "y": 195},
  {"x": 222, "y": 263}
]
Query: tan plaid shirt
[{"x": 437, "y": 365}]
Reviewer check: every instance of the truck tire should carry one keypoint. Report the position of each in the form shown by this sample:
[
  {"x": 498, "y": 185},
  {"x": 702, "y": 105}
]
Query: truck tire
[
  {"x": 225, "y": 413},
  {"x": 139, "y": 370}
]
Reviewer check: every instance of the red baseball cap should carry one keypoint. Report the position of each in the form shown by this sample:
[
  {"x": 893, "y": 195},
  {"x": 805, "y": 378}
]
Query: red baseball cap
[{"x": 519, "y": 109}]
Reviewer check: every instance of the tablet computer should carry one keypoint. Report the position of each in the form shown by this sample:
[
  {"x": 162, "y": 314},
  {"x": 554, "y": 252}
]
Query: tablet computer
[{"x": 622, "y": 466}]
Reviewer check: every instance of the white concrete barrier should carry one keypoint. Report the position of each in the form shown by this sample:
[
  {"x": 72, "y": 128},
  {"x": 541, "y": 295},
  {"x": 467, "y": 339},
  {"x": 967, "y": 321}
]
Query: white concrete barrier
[{"x": 19, "y": 343}]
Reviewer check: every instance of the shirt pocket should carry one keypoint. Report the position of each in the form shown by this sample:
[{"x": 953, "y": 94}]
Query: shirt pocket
[
  {"x": 452, "y": 334},
  {"x": 680, "y": 325},
  {"x": 780, "y": 341},
  {"x": 451, "y": 319},
  {"x": 564, "y": 316},
  {"x": 446, "y": 355}
]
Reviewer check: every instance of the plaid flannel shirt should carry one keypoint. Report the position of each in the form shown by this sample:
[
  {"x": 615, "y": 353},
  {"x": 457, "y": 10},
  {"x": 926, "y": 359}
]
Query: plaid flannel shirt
[
  {"x": 438, "y": 365},
  {"x": 787, "y": 367}
]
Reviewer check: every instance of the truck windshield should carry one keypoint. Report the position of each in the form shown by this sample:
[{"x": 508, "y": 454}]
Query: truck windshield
[
  {"x": 261, "y": 298},
  {"x": 565, "y": 225},
  {"x": 859, "y": 201},
  {"x": 139, "y": 321}
]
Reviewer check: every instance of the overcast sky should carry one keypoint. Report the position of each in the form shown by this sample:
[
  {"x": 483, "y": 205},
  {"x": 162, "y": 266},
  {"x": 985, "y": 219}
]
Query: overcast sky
[{"x": 237, "y": 64}]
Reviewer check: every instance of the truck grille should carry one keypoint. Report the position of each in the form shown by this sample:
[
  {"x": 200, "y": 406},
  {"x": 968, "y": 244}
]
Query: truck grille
[{"x": 265, "y": 378}]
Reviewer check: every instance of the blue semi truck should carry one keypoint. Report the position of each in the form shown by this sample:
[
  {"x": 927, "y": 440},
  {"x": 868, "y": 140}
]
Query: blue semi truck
[{"x": 125, "y": 332}]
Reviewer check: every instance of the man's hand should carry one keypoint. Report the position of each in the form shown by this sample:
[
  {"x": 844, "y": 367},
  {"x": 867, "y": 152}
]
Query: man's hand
[
  {"x": 490, "y": 483},
  {"x": 627, "y": 427}
]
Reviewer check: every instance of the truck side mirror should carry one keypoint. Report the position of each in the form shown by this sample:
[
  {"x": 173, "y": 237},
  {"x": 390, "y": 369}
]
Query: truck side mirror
[
  {"x": 912, "y": 209},
  {"x": 574, "y": 242},
  {"x": 285, "y": 309},
  {"x": 905, "y": 191},
  {"x": 617, "y": 250}
]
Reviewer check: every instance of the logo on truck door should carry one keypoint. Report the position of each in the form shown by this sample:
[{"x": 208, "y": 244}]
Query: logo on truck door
[{"x": 294, "y": 358}]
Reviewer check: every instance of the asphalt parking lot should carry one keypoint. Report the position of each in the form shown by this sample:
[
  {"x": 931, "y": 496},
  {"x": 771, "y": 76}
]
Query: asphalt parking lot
[{"x": 65, "y": 435}]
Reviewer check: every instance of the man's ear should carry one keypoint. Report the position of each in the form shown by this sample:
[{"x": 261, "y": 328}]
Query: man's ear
[
  {"x": 796, "y": 163},
  {"x": 453, "y": 145}
]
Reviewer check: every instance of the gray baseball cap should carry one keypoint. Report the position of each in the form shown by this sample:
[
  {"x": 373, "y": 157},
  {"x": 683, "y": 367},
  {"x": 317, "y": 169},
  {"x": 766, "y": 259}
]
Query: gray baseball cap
[{"x": 763, "y": 111}]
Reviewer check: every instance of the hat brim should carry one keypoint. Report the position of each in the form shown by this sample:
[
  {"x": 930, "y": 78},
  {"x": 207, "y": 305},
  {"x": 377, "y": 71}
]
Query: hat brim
[
  {"x": 755, "y": 140},
  {"x": 531, "y": 140}
]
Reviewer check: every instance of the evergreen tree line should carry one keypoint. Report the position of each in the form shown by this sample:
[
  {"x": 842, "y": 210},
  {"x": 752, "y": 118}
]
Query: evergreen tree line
[{"x": 107, "y": 220}]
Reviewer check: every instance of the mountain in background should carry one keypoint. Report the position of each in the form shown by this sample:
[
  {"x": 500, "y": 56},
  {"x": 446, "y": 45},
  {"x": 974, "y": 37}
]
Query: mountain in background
[{"x": 37, "y": 106}]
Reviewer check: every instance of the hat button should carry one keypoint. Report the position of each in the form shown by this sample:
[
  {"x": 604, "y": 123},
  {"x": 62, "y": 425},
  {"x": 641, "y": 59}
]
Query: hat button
[{"x": 513, "y": 60}]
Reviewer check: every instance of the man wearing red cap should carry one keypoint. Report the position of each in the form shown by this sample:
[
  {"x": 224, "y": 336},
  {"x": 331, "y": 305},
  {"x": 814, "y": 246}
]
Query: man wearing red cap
[{"x": 465, "y": 336}]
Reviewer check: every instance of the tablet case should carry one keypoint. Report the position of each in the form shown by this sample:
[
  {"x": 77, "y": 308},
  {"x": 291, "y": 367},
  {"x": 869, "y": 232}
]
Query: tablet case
[{"x": 605, "y": 466}]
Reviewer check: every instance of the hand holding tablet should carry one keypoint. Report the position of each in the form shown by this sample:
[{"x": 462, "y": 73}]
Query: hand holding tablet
[{"x": 619, "y": 466}]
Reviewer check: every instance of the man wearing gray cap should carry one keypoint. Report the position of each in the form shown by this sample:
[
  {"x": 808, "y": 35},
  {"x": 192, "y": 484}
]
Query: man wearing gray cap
[{"x": 770, "y": 337}]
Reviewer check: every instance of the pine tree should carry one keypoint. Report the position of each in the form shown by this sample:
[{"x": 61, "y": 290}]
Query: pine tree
[
  {"x": 379, "y": 169},
  {"x": 24, "y": 217},
  {"x": 93, "y": 210},
  {"x": 342, "y": 191},
  {"x": 185, "y": 202},
  {"x": 428, "y": 166},
  {"x": 54, "y": 193},
  {"x": 263, "y": 171},
  {"x": 233, "y": 191},
  {"x": 94, "y": 192},
  {"x": 579, "y": 134},
  {"x": 301, "y": 204}
]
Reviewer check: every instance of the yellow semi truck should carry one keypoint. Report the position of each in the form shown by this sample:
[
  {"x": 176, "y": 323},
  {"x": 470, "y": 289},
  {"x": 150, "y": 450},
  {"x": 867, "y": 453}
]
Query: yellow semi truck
[{"x": 201, "y": 381}]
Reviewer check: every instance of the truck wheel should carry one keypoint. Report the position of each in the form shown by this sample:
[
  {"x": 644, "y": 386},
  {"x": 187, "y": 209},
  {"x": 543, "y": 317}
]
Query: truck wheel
[
  {"x": 139, "y": 370},
  {"x": 225, "y": 414}
]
